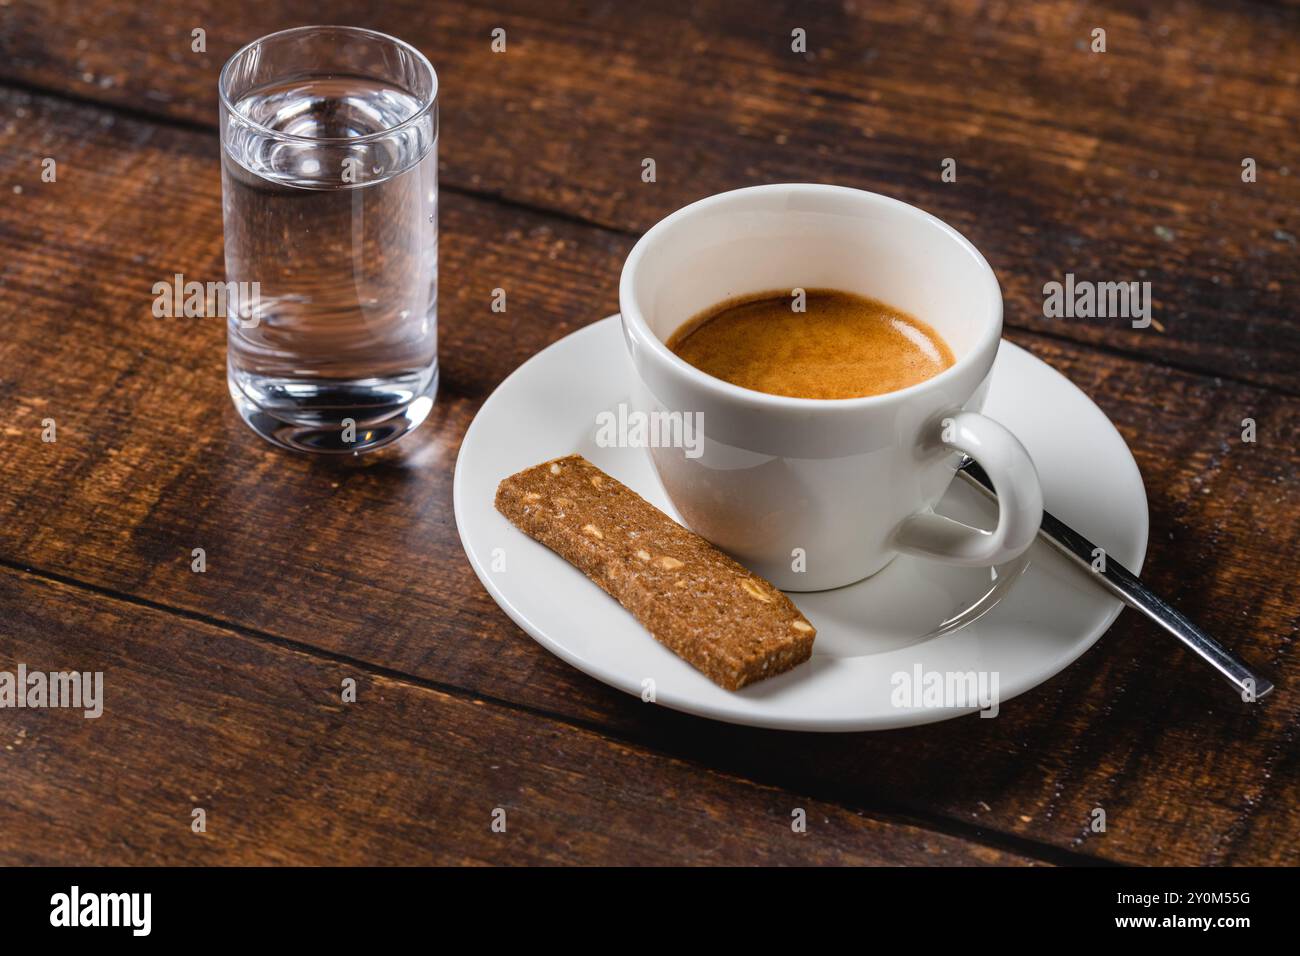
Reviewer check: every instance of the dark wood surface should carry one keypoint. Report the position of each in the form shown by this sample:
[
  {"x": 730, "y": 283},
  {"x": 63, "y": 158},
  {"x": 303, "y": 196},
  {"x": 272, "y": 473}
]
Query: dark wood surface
[{"x": 225, "y": 684}]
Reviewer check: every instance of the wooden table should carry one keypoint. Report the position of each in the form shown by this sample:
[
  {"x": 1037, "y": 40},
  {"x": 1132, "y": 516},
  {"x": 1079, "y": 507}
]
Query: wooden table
[{"x": 223, "y": 687}]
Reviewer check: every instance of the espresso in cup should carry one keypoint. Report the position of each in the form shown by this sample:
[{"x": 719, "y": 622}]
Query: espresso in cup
[
  {"x": 823, "y": 344},
  {"x": 815, "y": 494}
]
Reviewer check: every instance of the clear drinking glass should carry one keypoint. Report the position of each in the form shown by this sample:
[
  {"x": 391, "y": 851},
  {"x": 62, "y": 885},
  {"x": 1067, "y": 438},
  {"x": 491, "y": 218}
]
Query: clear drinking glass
[{"x": 329, "y": 174}]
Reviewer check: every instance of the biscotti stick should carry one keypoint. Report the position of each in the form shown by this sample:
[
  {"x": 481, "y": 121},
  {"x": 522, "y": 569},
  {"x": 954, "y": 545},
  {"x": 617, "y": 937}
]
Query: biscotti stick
[{"x": 731, "y": 624}]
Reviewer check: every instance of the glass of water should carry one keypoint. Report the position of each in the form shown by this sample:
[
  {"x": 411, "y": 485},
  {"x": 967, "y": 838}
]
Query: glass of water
[{"x": 329, "y": 174}]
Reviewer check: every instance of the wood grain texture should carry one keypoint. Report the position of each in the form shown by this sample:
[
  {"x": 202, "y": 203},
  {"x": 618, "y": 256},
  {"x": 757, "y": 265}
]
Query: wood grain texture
[
  {"x": 363, "y": 564},
  {"x": 1115, "y": 166},
  {"x": 258, "y": 736}
]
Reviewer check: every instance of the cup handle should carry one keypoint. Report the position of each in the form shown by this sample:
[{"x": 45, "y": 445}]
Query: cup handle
[{"x": 1020, "y": 500}]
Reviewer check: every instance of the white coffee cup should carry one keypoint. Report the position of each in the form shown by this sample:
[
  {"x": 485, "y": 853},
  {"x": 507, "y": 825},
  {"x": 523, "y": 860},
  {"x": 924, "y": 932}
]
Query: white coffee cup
[{"x": 815, "y": 493}]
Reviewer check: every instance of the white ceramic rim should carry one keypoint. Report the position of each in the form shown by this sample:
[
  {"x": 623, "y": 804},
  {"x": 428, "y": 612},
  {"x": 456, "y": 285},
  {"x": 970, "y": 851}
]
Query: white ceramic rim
[{"x": 983, "y": 349}]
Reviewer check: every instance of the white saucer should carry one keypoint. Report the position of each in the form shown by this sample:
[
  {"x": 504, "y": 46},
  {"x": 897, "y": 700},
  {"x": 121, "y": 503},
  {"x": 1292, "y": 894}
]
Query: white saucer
[{"x": 1023, "y": 622}]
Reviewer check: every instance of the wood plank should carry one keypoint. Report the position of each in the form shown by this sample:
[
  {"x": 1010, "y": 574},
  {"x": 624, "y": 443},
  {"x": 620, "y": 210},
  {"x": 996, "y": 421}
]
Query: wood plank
[
  {"x": 287, "y": 773},
  {"x": 364, "y": 563},
  {"x": 1115, "y": 166}
]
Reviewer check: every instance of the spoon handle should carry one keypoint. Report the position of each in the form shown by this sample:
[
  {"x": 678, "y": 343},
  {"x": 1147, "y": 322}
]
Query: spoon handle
[{"x": 1126, "y": 586}]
